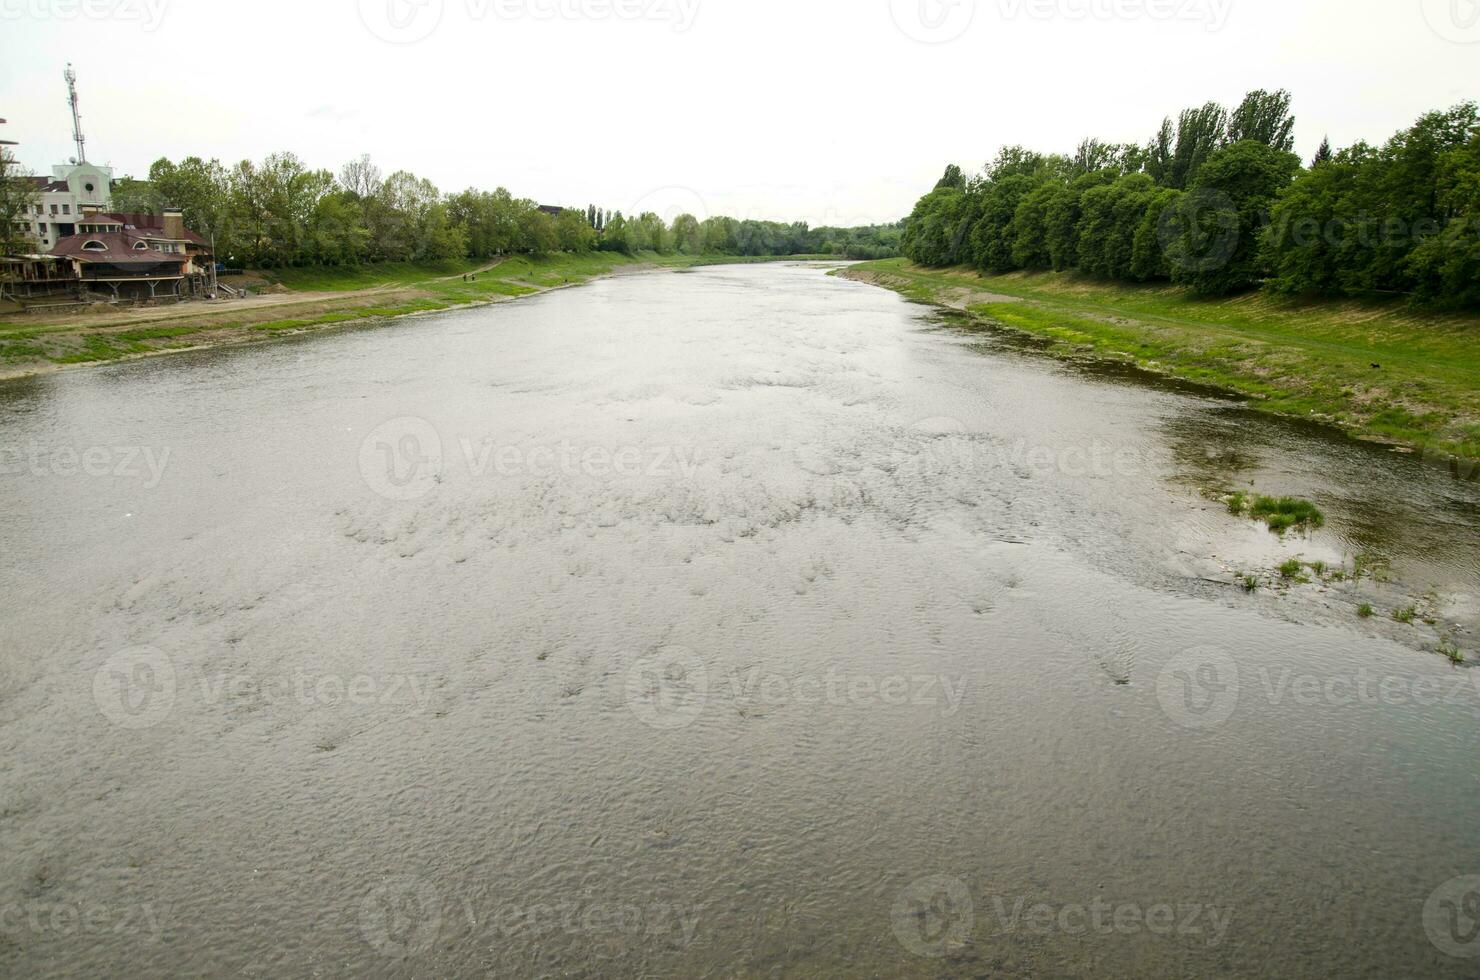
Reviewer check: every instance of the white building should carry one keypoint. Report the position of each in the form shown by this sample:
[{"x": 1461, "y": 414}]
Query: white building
[{"x": 61, "y": 197}]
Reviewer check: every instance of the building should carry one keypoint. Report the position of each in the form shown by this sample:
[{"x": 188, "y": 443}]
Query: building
[
  {"x": 136, "y": 256},
  {"x": 62, "y": 197},
  {"x": 84, "y": 252}
]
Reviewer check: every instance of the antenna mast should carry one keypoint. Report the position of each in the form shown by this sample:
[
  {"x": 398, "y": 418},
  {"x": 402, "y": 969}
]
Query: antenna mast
[{"x": 78, "y": 138}]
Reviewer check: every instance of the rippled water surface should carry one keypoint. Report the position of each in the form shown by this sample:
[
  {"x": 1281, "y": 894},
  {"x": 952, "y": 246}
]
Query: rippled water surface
[{"x": 746, "y": 621}]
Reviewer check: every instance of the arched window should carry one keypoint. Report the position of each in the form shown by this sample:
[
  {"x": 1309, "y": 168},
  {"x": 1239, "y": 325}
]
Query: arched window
[
  {"x": 94, "y": 246},
  {"x": 141, "y": 246}
]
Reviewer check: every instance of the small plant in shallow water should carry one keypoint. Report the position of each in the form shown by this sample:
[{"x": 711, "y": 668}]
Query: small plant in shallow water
[
  {"x": 1284, "y": 513},
  {"x": 1405, "y": 615},
  {"x": 1250, "y": 583},
  {"x": 1448, "y": 649},
  {"x": 1238, "y": 503},
  {"x": 1366, "y": 611},
  {"x": 1290, "y": 570}
]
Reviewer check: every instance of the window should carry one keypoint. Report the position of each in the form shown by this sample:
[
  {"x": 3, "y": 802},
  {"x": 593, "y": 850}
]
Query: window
[
  {"x": 140, "y": 247},
  {"x": 53, "y": 209},
  {"x": 94, "y": 246},
  {"x": 66, "y": 209},
  {"x": 89, "y": 188}
]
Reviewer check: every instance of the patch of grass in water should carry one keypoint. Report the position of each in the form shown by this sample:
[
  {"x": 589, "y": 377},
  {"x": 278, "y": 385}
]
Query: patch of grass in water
[
  {"x": 1292, "y": 571},
  {"x": 1366, "y": 611},
  {"x": 1250, "y": 583},
  {"x": 1284, "y": 513},
  {"x": 1448, "y": 649},
  {"x": 1406, "y": 615}
]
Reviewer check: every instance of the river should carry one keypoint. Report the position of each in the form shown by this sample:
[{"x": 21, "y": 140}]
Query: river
[{"x": 742, "y": 621}]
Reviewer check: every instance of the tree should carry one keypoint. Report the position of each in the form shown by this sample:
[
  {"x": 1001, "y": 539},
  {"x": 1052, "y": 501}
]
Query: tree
[
  {"x": 361, "y": 177},
  {"x": 688, "y": 236},
  {"x": 130, "y": 195},
  {"x": 1200, "y": 132},
  {"x": 1159, "y": 152},
  {"x": 952, "y": 178},
  {"x": 18, "y": 200},
  {"x": 1222, "y": 216},
  {"x": 1323, "y": 153},
  {"x": 199, "y": 188},
  {"x": 1264, "y": 117}
]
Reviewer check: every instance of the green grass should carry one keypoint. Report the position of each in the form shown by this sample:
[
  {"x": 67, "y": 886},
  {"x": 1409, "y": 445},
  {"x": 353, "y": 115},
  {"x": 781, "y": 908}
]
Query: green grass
[
  {"x": 1366, "y": 611},
  {"x": 1280, "y": 513},
  {"x": 155, "y": 333},
  {"x": 1284, "y": 513},
  {"x": 344, "y": 278},
  {"x": 1384, "y": 371},
  {"x": 1448, "y": 649},
  {"x": 1250, "y": 583},
  {"x": 1293, "y": 570},
  {"x": 1405, "y": 615}
]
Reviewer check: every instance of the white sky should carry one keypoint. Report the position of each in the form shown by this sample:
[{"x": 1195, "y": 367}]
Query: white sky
[{"x": 828, "y": 111}]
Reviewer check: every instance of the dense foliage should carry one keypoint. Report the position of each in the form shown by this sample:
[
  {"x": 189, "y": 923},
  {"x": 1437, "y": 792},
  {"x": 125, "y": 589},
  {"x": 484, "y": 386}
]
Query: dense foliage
[
  {"x": 281, "y": 213},
  {"x": 1217, "y": 200},
  {"x": 17, "y": 198}
]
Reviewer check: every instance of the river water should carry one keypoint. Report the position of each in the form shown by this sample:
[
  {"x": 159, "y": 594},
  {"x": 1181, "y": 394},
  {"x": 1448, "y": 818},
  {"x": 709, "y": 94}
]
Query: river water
[{"x": 743, "y": 621}]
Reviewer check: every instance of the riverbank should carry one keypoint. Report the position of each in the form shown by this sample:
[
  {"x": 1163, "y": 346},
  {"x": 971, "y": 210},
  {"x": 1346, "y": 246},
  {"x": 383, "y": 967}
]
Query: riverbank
[
  {"x": 294, "y": 301},
  {"x": 1381, "y": 372}
]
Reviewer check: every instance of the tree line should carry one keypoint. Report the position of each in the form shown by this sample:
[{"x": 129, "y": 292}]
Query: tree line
[
  {"x": 279, "y": 212},
  {"x": 1217, "y": 200}
]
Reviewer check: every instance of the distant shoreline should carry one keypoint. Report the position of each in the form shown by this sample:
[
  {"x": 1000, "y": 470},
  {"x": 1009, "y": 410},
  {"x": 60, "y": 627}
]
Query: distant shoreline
[
  {"x": 1380, "y": 373},
  {"x": 312, "y": 301}
]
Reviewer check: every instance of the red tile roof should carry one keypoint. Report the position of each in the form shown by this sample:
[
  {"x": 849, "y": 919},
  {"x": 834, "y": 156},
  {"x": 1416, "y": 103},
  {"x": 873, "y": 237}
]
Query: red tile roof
[
  {"x": 120, "y": 250},
  {"x": 45, "y": 185},
  {"x": 148, "y": 225}
]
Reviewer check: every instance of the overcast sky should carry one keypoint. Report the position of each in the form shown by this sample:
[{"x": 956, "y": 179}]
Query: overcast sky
[{"x": 830, "y": 111}]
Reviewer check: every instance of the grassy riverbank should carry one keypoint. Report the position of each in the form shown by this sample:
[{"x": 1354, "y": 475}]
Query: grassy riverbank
[
  {"x": 1383, "y": 372},
  {"x": 299, "y": 300}
]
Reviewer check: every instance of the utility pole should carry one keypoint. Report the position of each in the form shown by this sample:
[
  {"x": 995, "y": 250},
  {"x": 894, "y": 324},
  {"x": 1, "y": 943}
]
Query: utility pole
[{"x": 78, "y": 138}]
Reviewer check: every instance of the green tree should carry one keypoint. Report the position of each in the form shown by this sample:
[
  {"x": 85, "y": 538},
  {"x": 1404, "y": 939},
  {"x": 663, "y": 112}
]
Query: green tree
[
  {"x": 18, "y": 200},
  {"x": 1264, "y": 117},
  {"x": 1223, "y": 216}
]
